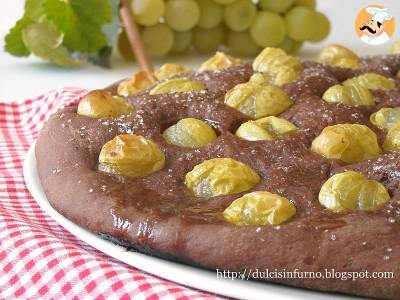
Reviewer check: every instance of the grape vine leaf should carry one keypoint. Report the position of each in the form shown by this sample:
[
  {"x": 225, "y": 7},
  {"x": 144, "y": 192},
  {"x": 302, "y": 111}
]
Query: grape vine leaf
[
  {"x": 111, "y": 29},
  {"x": 14, "y": 43},
  {"x": 13, "y": 40},
  {"x": 81, "y": 22},
  {"x": 102, "y": 57}
]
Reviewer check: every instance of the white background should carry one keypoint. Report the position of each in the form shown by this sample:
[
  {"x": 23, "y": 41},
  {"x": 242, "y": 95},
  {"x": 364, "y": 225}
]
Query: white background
[{"x": 22, "y": 78}]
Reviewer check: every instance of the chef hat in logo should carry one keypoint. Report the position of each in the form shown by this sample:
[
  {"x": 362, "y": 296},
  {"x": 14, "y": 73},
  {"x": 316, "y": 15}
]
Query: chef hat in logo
[{"x": 379, "y": 14}]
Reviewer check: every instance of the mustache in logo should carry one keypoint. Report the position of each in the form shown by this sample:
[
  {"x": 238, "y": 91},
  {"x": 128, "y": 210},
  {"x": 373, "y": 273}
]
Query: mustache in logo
[{"x": 368, "y": 28}]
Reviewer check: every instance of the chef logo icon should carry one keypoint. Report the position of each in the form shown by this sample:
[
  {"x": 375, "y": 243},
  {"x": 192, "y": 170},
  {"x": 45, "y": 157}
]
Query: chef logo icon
[{"x": 375, "y": 25}]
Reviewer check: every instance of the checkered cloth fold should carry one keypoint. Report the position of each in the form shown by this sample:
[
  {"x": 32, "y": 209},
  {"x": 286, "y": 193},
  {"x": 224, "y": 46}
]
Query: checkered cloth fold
[{"x": 38, "y": 257}]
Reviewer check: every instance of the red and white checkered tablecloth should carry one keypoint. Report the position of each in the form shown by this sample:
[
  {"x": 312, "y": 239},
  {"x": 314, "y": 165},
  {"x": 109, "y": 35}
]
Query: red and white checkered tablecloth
[{"x": 38, "y": 257}]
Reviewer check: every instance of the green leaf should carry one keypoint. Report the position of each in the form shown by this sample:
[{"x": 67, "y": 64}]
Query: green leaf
[
  {"x": 13, "y": 40},
  {"x": 102, "y": 58},
  {"x": 111, "y": 29},
  {"x": 81, "y": 22}
]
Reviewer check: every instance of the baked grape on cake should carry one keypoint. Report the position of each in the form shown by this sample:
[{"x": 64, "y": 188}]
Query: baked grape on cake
[{"x": 276, "y": 164}]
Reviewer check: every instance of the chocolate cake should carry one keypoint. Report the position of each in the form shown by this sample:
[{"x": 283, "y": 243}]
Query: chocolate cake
[{"x": 158, "y": 214}]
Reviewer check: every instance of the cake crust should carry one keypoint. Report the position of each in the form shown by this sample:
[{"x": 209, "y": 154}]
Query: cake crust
[{"x": 157, "y": 215}]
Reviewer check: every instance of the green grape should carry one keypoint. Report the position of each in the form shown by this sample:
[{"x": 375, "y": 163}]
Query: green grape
[
  {"x": 268, "y": 29},
  {"x": 147, "y": 12},
  {"x": 34, "y": 10},
  {"x": 308, "y": 3},
  {"x": 296, "y": 46},
  {"x": 289, "y": 45},
  {"x": 242, "y": 44},
  {"x": 207, "y": 40},
  {"x": 225, "y": 35},
  {"x": 182, "y": 41},
  {"x": 286, "y": 45},
  {"x": 182, "y": 15},
  {"x": 42, "y": 34},
  {"x": 124, "y": 47},
  {"x": 300, "y": 23},
  {"x": 239, "y": 15},
  {"x": 46, "y": 42},
  {"x": 279, "y": 6},
  {"x": 224, "y": 2},
  {"x": 322, "y": 29},
  {"x": 210, "y": 14},
  {"x": 158, "y": 39}
]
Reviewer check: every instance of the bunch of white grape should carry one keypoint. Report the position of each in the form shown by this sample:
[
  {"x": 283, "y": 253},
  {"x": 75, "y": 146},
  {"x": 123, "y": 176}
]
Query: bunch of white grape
[{"x": 243, "y": 26}]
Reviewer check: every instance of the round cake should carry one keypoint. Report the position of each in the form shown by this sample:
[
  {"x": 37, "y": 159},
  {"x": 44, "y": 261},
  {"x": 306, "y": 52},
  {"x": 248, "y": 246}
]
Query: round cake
[{"x": 278, "y": 165}]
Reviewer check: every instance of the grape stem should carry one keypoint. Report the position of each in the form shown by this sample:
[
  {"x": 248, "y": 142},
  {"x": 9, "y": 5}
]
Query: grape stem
[{"x": 135, "y": 40}]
